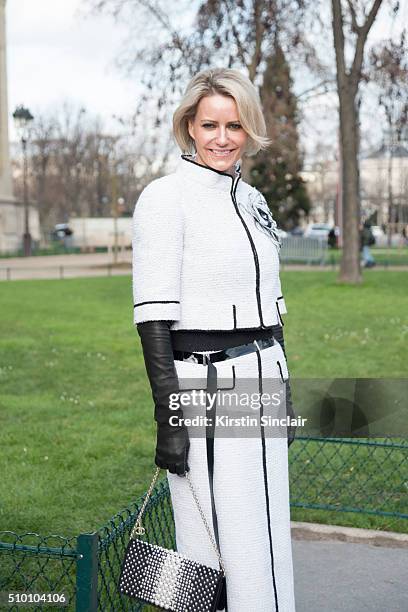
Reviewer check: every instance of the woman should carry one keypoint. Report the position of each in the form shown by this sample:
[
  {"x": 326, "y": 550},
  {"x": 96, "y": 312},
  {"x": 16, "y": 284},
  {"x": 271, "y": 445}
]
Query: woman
[{"x": 208, "y": 306}]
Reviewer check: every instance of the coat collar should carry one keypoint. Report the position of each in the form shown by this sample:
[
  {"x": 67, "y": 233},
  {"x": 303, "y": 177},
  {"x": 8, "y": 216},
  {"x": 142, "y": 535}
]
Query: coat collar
[{"x": 206, "y": 175}]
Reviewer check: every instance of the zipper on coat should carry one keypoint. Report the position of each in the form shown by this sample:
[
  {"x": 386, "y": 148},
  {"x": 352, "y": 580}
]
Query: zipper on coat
[{"x": 255, "y": 254}]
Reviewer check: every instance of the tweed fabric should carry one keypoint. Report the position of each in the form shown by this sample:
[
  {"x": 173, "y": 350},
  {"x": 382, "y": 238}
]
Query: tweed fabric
[
  {"x": 205, "y": 253},
  {"x": 251, "y": 497}
]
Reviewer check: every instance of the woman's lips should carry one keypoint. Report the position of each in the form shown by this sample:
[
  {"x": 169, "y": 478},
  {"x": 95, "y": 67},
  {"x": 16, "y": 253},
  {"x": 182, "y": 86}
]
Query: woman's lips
[{"x": 221, "y": 152}]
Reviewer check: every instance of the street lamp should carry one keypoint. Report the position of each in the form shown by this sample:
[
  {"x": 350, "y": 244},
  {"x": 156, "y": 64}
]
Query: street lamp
[{"x": 22, "y": 118}]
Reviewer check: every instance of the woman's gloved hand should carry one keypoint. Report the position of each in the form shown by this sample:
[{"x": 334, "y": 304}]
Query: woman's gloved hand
[
  {"x": 172, "y": 441},
  {"x": 277, "y": 331}
]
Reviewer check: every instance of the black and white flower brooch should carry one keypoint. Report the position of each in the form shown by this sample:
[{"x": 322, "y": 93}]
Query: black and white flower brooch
[{"x": 258, "y": 208}]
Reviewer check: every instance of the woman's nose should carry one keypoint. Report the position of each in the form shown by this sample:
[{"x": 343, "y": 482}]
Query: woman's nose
[{"x": 222, "y": 137}]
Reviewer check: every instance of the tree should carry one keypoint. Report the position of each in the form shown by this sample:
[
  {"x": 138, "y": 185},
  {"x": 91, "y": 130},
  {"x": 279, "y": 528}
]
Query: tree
[
  {"x": 241, "y": 34},
  {"x": 276, "y": 171},
  {"x": 236, "y": 34},
  {"x": 348, "y": 82},
  {"x": 43, "y": 135},
  {"x": 230, "y": 33},
  {"x": 389, "y": 70},
  {"x": 76, "y": 166}
]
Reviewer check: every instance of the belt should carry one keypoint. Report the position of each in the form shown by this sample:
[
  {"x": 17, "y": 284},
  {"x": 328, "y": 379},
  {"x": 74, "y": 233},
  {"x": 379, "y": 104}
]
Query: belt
[{"x": 229, "y": 353}]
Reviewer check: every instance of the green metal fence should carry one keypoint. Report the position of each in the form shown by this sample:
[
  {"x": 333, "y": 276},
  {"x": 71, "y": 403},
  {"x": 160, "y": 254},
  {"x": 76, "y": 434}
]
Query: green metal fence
[
  {"x": 31, "y": 563},
  {"x": 369, "y": 477}
]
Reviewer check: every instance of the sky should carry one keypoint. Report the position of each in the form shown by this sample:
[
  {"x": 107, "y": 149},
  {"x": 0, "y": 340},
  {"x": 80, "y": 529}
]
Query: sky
[{"x": 57, "y": 54}]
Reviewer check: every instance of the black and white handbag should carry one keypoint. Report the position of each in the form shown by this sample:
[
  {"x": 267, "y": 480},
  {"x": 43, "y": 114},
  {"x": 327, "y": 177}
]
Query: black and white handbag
[{"x": 167, "y": 579}]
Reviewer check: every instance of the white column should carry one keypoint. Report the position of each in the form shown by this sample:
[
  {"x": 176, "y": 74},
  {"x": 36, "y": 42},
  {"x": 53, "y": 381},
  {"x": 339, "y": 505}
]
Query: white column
[{"x": 6, "y": 192}]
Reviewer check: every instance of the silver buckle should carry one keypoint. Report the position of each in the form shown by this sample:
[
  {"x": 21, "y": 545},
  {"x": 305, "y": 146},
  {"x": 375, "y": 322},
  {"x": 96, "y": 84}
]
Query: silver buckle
[
  {"x": 206, "y": 357},
  {"x": 267, "y": 343}
]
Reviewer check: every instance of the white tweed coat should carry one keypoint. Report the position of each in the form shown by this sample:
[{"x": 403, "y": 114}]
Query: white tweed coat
[
  {"x": 205, "y": 252},
  {"x": 206, "y": 256}
]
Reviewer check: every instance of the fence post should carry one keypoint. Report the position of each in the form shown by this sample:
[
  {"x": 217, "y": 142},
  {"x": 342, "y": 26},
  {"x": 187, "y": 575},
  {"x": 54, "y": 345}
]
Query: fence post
[{"x": 87, "y": 573}]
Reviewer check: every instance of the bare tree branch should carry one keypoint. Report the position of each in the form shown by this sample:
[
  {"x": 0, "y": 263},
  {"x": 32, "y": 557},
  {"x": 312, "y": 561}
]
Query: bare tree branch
[
  {"x": 259, "y": 34},
  {"x": 338, "y": 34},
  {"x": 354, "y": 24},
  {"x": 230, "y": 7},
  {"x": 361, "y": 41},
  {"x": 163, "y": 19}
]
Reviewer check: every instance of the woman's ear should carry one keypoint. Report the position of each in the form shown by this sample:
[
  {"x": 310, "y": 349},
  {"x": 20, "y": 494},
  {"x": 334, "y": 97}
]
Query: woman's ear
[{"x": 190, "y": 128}]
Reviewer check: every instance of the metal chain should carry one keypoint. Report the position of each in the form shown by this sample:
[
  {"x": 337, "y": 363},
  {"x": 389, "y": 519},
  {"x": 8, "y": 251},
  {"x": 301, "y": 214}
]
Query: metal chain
[
  {"x": 138, "y": 528},
  {"x": 217, "y": 552}
]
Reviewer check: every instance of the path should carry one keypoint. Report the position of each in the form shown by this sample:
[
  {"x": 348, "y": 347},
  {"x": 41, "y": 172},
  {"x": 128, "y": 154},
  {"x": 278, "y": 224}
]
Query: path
[
  {"x": 100, "y": 264},
  {"x": 333, "y": 576}
]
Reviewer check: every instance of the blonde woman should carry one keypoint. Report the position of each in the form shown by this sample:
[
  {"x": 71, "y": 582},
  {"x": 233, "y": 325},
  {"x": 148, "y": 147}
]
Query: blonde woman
[{"x": 208, "y": 306}]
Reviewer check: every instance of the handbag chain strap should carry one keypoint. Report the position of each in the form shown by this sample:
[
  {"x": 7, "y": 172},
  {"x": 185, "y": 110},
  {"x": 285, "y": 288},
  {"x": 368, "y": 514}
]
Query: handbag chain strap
[{"x": 138, "y": 528}]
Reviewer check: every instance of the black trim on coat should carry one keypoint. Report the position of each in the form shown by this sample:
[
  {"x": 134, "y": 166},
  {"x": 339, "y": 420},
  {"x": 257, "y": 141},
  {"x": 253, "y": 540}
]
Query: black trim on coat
[
  {"x": 233, "y": 191},
  {"x": 254, "y": 252},
  {"x": 234, "y": 314},
  {"x": 186, "y": 158},
  {"x": 246, "y": 329},
  {"x": 156, "y": 302},
  {"x": 279, "y": 314},
  {"x": 265, "y": 475},
  {"x": 281, "y": 372},
  {"x": 212, "y": 387}
]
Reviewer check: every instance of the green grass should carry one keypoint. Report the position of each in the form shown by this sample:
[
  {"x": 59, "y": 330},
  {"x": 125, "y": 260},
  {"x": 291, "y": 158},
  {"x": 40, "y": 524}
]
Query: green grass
[
  {"x": 396, "y": 256},
  {"x": 76, "y": 427},
  {"x": 340, "y": 330},
  {"x": 76, "y": 431}
]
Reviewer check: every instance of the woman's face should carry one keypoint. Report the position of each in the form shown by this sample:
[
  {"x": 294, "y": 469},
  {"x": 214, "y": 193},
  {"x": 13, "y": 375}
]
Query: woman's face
[{"x": 216, "y": 129}]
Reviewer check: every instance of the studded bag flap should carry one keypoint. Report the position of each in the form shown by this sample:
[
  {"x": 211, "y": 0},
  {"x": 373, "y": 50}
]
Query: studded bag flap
[{"x": 167, "y": 579}]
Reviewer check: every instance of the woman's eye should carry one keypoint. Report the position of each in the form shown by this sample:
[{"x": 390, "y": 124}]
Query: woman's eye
[{"x": 234, "y": 126}]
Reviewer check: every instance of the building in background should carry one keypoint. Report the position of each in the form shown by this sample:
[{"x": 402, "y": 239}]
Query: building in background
[
  {"x": 383, "y": 185},
  {"x": 322, "y": 186}
]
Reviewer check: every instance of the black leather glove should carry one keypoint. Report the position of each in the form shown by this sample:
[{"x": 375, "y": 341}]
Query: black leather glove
[
  {"x": 172, "y": 441},
  {"x": 291, "y": 430}
]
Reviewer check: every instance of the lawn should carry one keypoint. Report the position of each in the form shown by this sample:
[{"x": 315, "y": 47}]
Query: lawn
[
  {"x": 395, "y": 256},
  {"x": 76, "y": 427}
]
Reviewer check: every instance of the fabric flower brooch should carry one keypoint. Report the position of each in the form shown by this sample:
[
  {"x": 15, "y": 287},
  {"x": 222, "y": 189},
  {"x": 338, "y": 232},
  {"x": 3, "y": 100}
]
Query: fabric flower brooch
[{"x": 258, "y": 208}]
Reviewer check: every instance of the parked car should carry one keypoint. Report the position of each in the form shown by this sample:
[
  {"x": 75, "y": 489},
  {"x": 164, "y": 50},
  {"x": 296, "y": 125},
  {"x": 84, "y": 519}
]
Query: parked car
[
  {"x": 61, "y": 230},
  {"x": 318, "y": 230},
  {"x": 297, "y": 231},
  {"x": 62, "y": 234}
]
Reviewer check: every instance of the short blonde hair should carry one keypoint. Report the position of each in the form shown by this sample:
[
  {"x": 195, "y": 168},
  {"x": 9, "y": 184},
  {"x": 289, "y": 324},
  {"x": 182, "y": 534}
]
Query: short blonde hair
[{"x": 227, "y": 82}]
